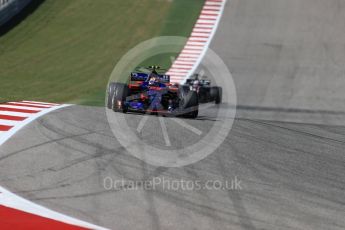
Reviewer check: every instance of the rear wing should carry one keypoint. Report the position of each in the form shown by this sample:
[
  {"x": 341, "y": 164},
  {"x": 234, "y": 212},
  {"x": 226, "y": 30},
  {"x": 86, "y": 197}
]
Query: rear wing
[
  {"x": 164, "y": 78},
  {"x": 139, "y": 76},
  {"x": 190, "y": 81},
  {"x": 205, "y": 82},
  {"x": 145, "y": 77},
  {"x": 201, "y": 82}
]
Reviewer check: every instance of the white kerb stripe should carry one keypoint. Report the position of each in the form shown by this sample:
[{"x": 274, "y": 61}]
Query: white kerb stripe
[
  {"x": 8, "y": 113},
  {"x": 195, "y": 43},
  {"x": 206, "y": 35},
  {"x": 181, "y": 67},
  {"x": 194, "y": 47},
  {"x": 20, "y": 107},
  {"x": 8, "y": 122},
  {"x": 26, "y": 103},
  {"x": 179, "y": 71},
  {"x": 198, "y": 39},
  {"x": 213, "y": 3},
  {"x": 184, "y": 56},
  {"x": 191, "y": 52},
  {"x": 184, "y": 62},
  {"x": 188, "y": 59},
  {"x": 210, "y": 17},
  {"x": 42, "y": 103}
]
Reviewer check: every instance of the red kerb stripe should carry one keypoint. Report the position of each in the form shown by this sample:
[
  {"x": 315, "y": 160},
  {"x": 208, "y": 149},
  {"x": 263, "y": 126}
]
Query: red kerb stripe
[
  {"x": 12, "y": 118},
  {"x": 201, "y": 41},
  {"x": 207, "y": 19},
  {"x": 198, "y": 36},
  {"x": 18, "y": 110},
  {"x": 15, "y": 219},
  {"x": 205, "y": 23},
  {"x": 211, "y": 9},
  {"x": 27, "y": 105},
  {"x": 5, "y": 128}
]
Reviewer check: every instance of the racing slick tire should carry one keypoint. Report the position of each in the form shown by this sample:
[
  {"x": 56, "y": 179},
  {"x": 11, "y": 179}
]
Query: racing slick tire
[
  {"x": 204, "y": 95},
  {"x": 190, "y": 103},
  {"x": 110, "y": 93},
  {"x": 118, "y": 99},
  {"x": 217, "y": 94}
]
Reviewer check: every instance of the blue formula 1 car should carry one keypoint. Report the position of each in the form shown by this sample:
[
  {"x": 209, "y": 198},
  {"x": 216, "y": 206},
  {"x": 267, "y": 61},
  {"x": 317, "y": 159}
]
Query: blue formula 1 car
[{"x": 148, "y": 91}]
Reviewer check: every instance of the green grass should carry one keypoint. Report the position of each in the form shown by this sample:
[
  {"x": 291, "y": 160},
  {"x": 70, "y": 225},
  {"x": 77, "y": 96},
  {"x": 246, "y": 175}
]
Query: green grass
[
  {"x": 66, "y": 50},
  {"x": 180, "y": 21}
]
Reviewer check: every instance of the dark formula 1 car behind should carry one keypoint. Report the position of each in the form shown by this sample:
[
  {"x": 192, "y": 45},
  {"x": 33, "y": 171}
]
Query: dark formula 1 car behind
[
  {"x": 151, "y": 92},
  {"x": 206, "y": 92}
]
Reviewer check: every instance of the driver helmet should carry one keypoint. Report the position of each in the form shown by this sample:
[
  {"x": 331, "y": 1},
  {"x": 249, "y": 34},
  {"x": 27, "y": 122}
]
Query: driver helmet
[
  {"x": 196, "y": 83},
  {"x": 153, "y": 80}
]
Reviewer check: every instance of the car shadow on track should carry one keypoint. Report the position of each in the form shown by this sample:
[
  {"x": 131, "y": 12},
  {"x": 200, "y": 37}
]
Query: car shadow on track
[{"x": 199, "y": 118}]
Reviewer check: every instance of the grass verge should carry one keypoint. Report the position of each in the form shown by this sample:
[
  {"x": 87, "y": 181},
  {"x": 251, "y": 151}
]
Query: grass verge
[{"x": 65, "y": 50}]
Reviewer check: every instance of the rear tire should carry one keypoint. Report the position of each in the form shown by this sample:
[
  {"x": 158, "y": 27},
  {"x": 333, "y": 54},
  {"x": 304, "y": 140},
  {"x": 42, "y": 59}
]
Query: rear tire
[
  {"x": 119, "y": 95},
  {"x": 217, "y": 94},
  {"x": 110, "y": 94}
]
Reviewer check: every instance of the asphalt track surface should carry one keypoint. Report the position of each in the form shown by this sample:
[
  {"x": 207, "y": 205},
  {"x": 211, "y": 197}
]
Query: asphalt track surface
[
  {"x": 286, "y": 58},
  {"x": 286, "y": 145}
]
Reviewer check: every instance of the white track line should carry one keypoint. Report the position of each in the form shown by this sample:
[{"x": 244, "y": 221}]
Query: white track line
[
  {"x": 142, "y": 123},
  {"x": 165, "y": 131},
  {"x": 187, "y": 126}
]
